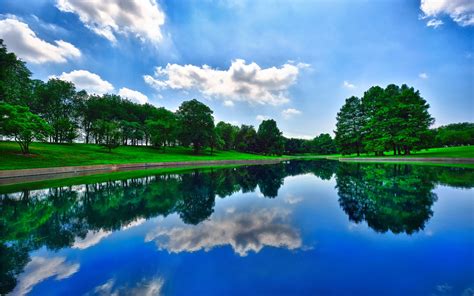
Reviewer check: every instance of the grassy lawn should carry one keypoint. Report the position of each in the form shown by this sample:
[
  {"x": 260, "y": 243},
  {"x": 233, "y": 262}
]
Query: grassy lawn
[
  {"x": 55, "y": 155},
  {"x": 448, "y": 152}
]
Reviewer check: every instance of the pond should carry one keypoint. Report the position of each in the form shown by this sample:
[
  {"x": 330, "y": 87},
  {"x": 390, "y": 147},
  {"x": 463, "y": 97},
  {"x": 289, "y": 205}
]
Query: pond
[{"x": 294, "y": 228}]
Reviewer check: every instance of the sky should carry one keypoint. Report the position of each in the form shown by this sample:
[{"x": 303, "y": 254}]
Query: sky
[{"x": 293, "y": 61}]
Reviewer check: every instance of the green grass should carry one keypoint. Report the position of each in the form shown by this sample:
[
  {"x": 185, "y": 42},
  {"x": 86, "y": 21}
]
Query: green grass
[
  {"x": 448, "y": 152},
  {"x": 55, "y": 155}
]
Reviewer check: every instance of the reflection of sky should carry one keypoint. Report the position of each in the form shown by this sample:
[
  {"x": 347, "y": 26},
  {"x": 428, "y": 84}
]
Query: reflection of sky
[{"x": 301, "y": 242}]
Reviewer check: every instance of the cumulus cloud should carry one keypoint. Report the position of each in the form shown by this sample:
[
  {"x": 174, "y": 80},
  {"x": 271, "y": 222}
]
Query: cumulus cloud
[
  {"x": 245, "y": 231},
  {"x": 290, "y": 112},
  {"x": 347, "y": 84},
  {"x": 20, "y": 39},
  {"x": 88, "y": 81},
  {"x": 140, "y": 18},
  {"x": 241, "y": 82},
  {"x": 151, "y": 287},
  {"x": 262, "y": 117},
  {"x": 40, "y": 269},
  {"x": 133, "y": 95},
  {"x": 423, "y": 75},
  {"x": 461, "y": 11},
  {"x": 228, "y": 103}
]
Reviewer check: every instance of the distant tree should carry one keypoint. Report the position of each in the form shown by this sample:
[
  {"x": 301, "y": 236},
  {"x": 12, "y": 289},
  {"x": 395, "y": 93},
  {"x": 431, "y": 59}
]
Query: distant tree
[
  {"x": 349, "y": 127},
  {"x": 296, "y": 146},
  {"x": 109, "y": 133},
  {"x": 22, "y": 125},
  {"x": 455, "y": 134},
  {"x": 196, "y": 124},
  {"x": 323, "y": 144},
  {"x": 162, "y": 130},
  {"x": 227, "y": 132},
  {"x": 246, "y": 139},
  {"x": 15, "y": 83},
  {"x": 270, "y": 139}
]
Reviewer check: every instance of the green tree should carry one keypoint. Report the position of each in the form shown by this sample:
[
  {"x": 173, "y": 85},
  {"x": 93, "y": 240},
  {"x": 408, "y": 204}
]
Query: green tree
[
  {"x": 22, "y": 125},
  {"x": 108, "y": 133},
  {"x": 227, "y": 132},
  {"x": 323, "y": 144},
  {"x": 349, "y": 127},
  {"x": 246, "y": 139},
  {"x": 216, "y": 141},
  {"x": 57, "y": 98},
  {"x": 15, "y": 83},
  {"x": 270, "y": 139},
  {"x": 162, "y": 130},
  {"x": 196, "y": 124}
]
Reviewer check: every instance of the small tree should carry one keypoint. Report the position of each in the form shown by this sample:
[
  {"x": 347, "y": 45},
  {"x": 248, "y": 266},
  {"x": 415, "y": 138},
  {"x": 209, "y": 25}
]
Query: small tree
[
  {"x": 216, "y": 141},
  {"x": 22, "y": 125},
  {"x": 162, "y": 130}
]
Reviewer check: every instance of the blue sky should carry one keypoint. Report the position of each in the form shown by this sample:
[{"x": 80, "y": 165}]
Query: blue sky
[{"x": 294, "y": 61}]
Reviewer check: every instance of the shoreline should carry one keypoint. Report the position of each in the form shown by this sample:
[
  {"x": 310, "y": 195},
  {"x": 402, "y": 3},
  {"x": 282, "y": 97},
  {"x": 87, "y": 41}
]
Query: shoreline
[
  {"x": 446, "y": 160},
  {"x": 9, "y": 177}
]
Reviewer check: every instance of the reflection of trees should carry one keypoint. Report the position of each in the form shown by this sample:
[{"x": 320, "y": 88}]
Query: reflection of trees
[{"x": 389, "y": 197}]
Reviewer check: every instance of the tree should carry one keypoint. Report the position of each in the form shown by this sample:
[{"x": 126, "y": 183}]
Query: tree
[
  {"x": 216, "y": 141},
  {"x": 349, "y": 127},
  {"x": 227, "y": 132},
  {"x": 163, "y": 129},
  {"x": 323, "y": 144},
  {"x": 196, "y": 124},
  {"x": 246, "y": 139},
  {"x": 108, "y": 133},
  {"x": 57, "y": 98},
  {"x": 455, "y": 134},
  {"x": 18, "y": 122},
  {"x": 15, "y": 83},
  {"x": 270, "y": 139}
]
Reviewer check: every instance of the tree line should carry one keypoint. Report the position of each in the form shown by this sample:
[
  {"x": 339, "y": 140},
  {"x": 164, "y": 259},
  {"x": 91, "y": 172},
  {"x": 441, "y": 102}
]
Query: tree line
[{"x": 55, "y": 111}]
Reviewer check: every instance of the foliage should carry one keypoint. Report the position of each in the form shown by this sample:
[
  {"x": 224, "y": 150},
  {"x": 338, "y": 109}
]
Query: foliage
[
  {"x": 350, "y": 122},
  {"x": 270, "y": 139},
  {"x": 163, "y": 130},
  {"x": 228, "y": 133},
  {"x": 456, "y": 134},
  {"x": 246, "y": 139},
  {"x": 108, "y": 133},
  {"x": 22, "y": 125},
  {"x": 196, "y": 124}
]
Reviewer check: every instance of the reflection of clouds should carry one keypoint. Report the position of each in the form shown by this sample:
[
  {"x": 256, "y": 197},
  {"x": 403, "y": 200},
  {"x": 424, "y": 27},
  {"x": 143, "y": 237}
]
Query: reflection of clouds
[
  {"x": 40, "y": 268},
  {"x": 291, "y": 199},
  {"x": 145, "y": 287},
  {"x": 94, "y": 237},
  {"x": 244, "y": 231}
]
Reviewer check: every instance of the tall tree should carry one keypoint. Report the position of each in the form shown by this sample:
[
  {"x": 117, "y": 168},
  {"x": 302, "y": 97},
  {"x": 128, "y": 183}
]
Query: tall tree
[
  {"x": 246, "y": 139},
  {"x": 349, "y": 126},
  {"x": 196, "y": 124},
  {"x": 227, "y": 132},
  {"x": 270, "y": 138},
  {"x": 15, "y": 83},
  {"x": 163, "y": 129}
]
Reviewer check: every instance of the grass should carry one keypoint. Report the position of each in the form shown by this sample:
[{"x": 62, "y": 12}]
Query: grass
[
  {"x": 447, "y": 152},
  {"x": 56, "y": 155}
]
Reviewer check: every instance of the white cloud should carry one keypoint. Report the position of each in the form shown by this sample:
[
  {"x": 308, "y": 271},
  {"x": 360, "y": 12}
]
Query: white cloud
[
  {"x": 241, "y": 82},
  {"x": 151, "y": 287},
  {"x": 140, "y": 18},
  {"x": 262, "y": 117},
  {"x": 461, "y": 11},
  {"x": 290, "y": 112},
  {"x": 245, "y": 231},
  {"x": 92, "y": 238},
  {"x": 40, "y": 269},
  {"x": 21, "y": 40},
  {"x": 423, "y": 75},
  {"x": 133, "y": 95},
  {"x": 435, "y": 23},
  {"x": 84, "y": 79},
  {"x": 346, "y": 84},
  {"x": 228, "y": 103},
  {"x": 290, "y": 135}
]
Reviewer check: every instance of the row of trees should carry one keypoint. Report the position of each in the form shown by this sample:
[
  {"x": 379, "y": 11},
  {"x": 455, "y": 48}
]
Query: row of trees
[
  {"x": 55, "y": 111},
  {"x": 391, "y": 119}
]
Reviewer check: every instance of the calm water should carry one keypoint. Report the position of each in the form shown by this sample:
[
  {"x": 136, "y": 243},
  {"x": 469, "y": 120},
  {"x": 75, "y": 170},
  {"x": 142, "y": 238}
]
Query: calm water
[{"x": 304, "y": 227}]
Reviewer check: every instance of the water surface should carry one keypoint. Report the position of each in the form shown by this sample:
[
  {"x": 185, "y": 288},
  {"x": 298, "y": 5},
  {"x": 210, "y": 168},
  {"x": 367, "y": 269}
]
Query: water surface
[{"x": 301, "y": 227}]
